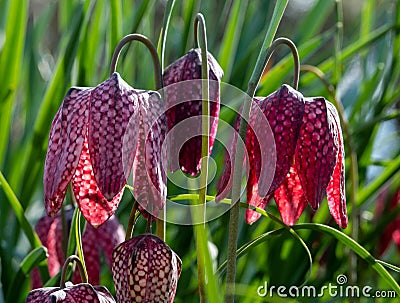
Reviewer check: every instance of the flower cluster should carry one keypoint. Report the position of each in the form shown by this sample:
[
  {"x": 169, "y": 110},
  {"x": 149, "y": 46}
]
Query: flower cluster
[{"x": 100, "y": 135}]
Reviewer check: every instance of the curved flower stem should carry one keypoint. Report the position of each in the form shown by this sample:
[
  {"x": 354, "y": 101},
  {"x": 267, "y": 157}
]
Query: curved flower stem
[
  {"x": 160, "y": 222},
  {"x": 164, "y": 31},
  {"x": 132, "y": 220},
  {"x": 200, "y": 213},
  {"x": 65, "y": 267},
  {"x": 351, "y": 149},
  {"x": 237, "y": 173},
  {"x": 150, "y": 47}
]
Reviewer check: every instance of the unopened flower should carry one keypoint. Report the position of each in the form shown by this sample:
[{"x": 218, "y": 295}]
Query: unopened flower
[
  {"x": 94, "y": 142},
  {"x": 309, "y": 156},
  {"x": 184, "y": 102},
  {"x": 145, "y": 269},
  {"x": 95, "y": 241}
]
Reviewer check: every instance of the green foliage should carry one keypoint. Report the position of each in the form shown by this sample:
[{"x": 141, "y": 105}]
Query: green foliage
[{"x": 45, "y": 49}]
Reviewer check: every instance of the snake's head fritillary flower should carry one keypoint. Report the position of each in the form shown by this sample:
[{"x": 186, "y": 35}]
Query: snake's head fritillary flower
[
  {"x": 95, "y": 241},
  {"x": 391, "y": 233},
  {"x": 184, "y": 102},
  {"x": 284, "y": 111},
  {"x": 87, "y": 146},
  {"x": 145, "y": 269},
  {"x": 309, "y": 157},
  {"x": 82, "y": 292},
  {"x": 68, "y": 292}
]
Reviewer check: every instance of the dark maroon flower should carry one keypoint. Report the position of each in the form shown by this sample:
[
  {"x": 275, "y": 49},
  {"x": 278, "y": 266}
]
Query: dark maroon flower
[
  {"x": 145, "y": 269},
  {"x": 93, "y": 144},
  {"x": 95, "y": 241},
  {"x": 82, "y": 292},
  {"x": 68, "y": 292},
  {"x": 391, "y": 233},
  {"x": 309, "y": 156},
  {"x": 184, "y": 102}
]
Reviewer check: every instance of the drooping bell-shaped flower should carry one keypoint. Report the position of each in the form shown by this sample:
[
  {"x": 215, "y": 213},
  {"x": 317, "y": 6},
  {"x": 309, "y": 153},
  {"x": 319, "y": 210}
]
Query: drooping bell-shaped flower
[
  {"x": 95, "y": 241},
  {"x": 145, "y": 269},
  {"x": 284, "y": 111},
  {"x": 309, "y": 156},
  {"x": 183, "y": 99},
  {"x": 68, "y": 292},
  {"x": 95, "y": 137},
  {"x": 82, "y": 292},
  {"x": 391, "y": 233}
]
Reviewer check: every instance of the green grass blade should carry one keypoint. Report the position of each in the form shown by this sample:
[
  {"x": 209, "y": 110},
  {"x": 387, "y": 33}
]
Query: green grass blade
[
  {"x": 368, "y": 191},
  {"x": 351, "y": 50},
  {"x": 230, "y": 41},
  {"x": 354, "y": 246},
  {"x": 116, "y": 24},
  {"x": 10, "y": 65},
  {"x": 188, "y": 15},
  {"x": 314, "y": 21},
  {"x": 55, "y": 92},
  {"x": 164, "y": 31},
  {"x": 19, "y": 213},
  {"x": 367, "y": 18},
  {"x": 33, "y": 259}
]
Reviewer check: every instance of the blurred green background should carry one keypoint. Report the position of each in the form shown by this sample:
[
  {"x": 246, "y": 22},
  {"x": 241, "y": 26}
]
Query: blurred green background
[{"x": 48, "y": 46}]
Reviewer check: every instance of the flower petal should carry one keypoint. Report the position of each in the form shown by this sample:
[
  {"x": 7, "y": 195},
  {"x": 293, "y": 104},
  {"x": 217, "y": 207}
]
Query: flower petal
[
  {"x": 41, "y": 295},
  {"x": 316, "y": 151},
  {"x": 82, "y": 292},
  {"x": 336, "y": 186},
  {"x": 94, "y": 206},
  {"x": 284, "y": 110},
  {"x": 149, "y": 177},
  {"x": 65, "y": 144},
  {"x": 112, "y": 105},
  {"x": 290, "y": 198},
  {"x": 45, "y": 230},
  {"x": 253, "y": 195},
  {"x": 184, "y": 101}
]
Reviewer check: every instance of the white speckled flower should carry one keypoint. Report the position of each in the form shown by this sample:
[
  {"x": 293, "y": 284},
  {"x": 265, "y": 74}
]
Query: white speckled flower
[{"x": 145, "y": 269}]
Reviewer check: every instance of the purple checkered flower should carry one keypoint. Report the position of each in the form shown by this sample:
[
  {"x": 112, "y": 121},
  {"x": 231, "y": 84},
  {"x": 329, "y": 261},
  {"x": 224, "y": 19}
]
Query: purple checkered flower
[
  {"x": 96, "y": 136},
  {"x": 309, "y": 157},
  {"x": 183, "y": 99}
]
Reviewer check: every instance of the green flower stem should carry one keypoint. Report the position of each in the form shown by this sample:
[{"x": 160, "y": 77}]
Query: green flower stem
[
  {"x": 164, "y": 31},
  {"x": 81, "y": 268},
  {"x": 353, "y": 161},
  {"x": 132, "y": 220},
  {"x": 263, "y": 57},
  {"x": 200, "y": 213},
  {"x": 79, "y": 247},
  {"x": 160, "y": 222},
  {"x": 150, "y": 47}
]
